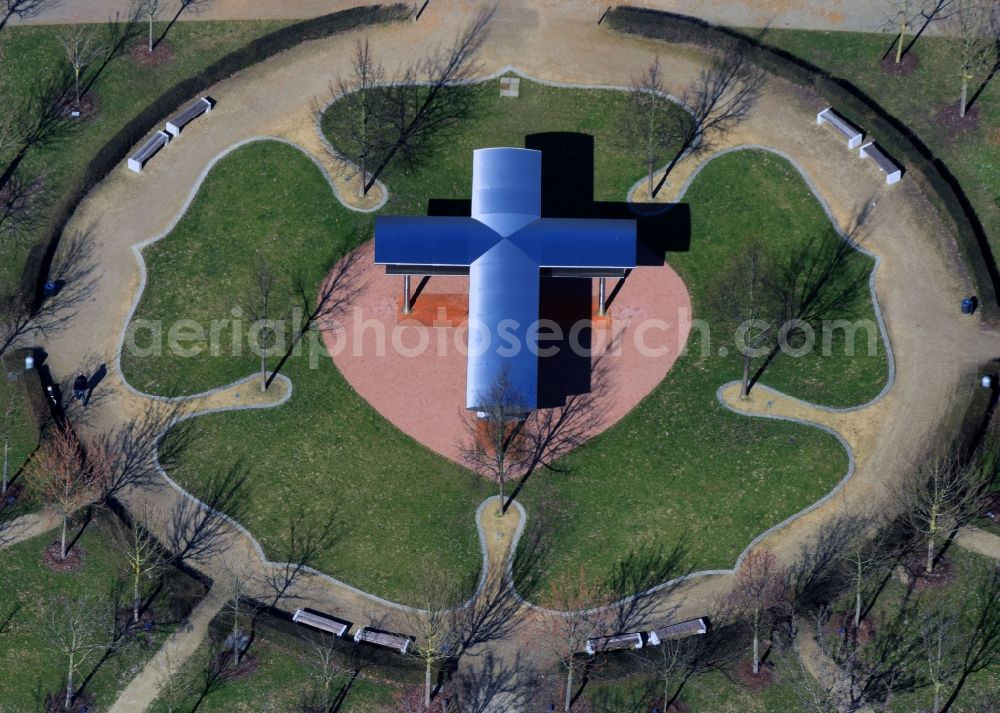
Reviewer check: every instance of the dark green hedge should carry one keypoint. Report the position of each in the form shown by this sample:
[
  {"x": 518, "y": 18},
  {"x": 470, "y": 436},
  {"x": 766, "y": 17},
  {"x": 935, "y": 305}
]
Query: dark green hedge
[
  {"x": 918, "y": 161},
  {"x": 118, "y": 146}
]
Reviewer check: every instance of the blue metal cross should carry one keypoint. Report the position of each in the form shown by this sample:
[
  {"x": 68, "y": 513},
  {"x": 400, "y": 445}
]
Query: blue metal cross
[{"x": 504, "y": 247}]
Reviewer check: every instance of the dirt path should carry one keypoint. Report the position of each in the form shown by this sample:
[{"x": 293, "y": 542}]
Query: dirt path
[
  {"x": 848, "y": 15},
  {"x": 917, "y": 284},
  {"x": 979, "y": 541},
  {"x": 144, "y": 689},
  {"x": 27, "y": 526}
]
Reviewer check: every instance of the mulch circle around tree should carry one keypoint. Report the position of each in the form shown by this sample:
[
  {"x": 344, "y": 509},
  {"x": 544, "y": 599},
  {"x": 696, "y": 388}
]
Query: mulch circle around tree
[
  {"x": 161, "y": 54},
  {"x": 73, "y": 562},
  {"x": 87, "y": 106},
  {"x": 246, "y": 667},
  {"x": 675, "y": 707},
  {"x": 905, "y": 67},
  {"x": 755, "y": 681},
  {"x": 942, "y": 575},
  {"x": 55, "y": 703},
  {"x": 948, "y": 117}
]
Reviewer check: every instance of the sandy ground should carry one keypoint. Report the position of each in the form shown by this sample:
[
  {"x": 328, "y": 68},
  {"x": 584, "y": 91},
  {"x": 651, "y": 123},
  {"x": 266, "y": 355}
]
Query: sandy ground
[
  {"x": 918, "y": 286},
  {"x": 852, "y": 15},
  {"x": 409, "y": 371}
]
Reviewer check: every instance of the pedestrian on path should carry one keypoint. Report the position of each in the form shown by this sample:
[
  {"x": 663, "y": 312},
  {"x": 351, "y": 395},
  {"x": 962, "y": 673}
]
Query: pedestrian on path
[{"x": 80, "y": 387}]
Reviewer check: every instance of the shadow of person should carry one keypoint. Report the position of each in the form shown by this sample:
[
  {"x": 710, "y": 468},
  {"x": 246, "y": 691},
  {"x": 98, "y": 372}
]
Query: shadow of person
[{"x": 97, "y": 378}]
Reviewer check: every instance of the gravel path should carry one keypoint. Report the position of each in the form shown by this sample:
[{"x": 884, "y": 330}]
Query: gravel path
[{"x": 918, "y": 284}]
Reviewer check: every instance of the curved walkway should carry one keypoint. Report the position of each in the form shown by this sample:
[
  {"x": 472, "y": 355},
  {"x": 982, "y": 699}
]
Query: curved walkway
[{"x": 917, "y": 286}]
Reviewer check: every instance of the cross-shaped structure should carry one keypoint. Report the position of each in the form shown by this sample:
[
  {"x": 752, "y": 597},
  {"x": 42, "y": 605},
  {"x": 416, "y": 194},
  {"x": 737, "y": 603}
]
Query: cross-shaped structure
[{"x": 504, "y": 248}]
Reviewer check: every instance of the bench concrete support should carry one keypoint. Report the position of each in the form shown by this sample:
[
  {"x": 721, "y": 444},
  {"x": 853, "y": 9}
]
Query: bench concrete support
[
  {"x": 850, "y": 132},
  {"x": 139, "y": 159},
  {"x": 885, "y": 164}
]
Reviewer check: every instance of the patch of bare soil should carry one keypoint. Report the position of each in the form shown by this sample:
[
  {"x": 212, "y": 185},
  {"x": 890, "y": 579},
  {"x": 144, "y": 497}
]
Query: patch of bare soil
[
  {"x": 162, "y": 54},
  {"x": 755, "y": 681},
  {"x": 905, "y": 67},
  {"x": 55, "y": 703},
  {"x": 948, "y": 117},
  {"x": 246, "y": 667},
  {"x": 921, "y": 581},
  {"x": 52, "y": 560}
]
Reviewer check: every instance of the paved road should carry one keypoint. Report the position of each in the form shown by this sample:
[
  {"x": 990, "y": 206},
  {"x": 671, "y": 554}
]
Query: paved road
[{"x": 853, "y": 15}]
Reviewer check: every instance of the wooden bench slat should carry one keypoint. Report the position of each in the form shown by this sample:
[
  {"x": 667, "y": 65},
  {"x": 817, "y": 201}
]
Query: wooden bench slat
[
  {"x": 177, "y": 124},
  {"x": 885, "y": 164},
  {"x": 318, "y": 621},
  {"x": 398, "y": 642},
  {"x": 851, "y": 133},
  {"x": 156, "y": 142},
  {"x": 692, "y": 627},
  {"x": 614, "y": 643}
]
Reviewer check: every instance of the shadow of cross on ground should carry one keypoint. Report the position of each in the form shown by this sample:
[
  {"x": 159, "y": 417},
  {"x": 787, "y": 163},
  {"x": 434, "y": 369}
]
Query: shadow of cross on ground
[{"x": 568, "y": 192}]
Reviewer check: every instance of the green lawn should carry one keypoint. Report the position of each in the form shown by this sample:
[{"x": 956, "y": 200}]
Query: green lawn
[
  {"x": 648, "y": 480},
  {"x": 23, "y": 435},
  {"x": 28, "y": 601},
  {"x": 972, "y": 155},
  {"x": 283, "y": 675},
  {"x": 29, "y": 54}
]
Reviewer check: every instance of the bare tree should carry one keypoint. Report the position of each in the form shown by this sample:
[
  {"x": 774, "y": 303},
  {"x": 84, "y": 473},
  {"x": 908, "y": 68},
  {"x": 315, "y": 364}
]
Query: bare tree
[
  {"x": 647, "y": 125},
  {"x": 83, "y": 46},
  {"x": 497, "y": 447},
  {"x": 151, "y": 9},
  {"x": 436, "y": 633},
  {"x": 937, "y": 633},
  {"x": 973, "y": 30},
  {"x": 24, "y": 9},
  {"x": 580, "y": 618},
  {"x": 757, "y": 591},
  {"x": 943, "y": 494},
  {"x": 142, "y": 557},
  {"x": 431, "y": 96},
  {"x": 863, "y": 557},
  {"x": 361, "y": 133},
  {"x": 237, "y": 581},
  {"x": 746, "y": 304},
  {"x": 720, "y": 99},
  {"x": 64, "y": 473},
  {"x": 901, "y": 15},
  {"x": 77, "y": 630},
  {"x": 259, "y": 308},
  {"x": 11, "y": 410}
]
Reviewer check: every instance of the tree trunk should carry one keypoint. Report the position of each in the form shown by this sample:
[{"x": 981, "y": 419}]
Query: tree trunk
[
  {"x": 150, "y": 34},
  {"x": 899, "y": 47},
  {"x": 756, "y": 652},
  {"x": 62, "y": 549},
  {"x": 69, "y": 684},
  {"x": 937, "y": 697},
  {"x": 857, "y": 605},
  {"x": 362, "y": 191},
  {"x": 263, "y": 371},
  {"x": 135, "y": 599},
  {"x": 745, "y": 386},
  {"x": 427, "y": 685},
  {"x": 569, "y": 687},
  {"x": 650, "y": 168},
  {"x": 930, "y": 555},
  {"x": 965, "y": 97},
  {"x": 6, "y": 465},
  {"x": 503, "y": 501},
  {"x": 76, "y": 84}
]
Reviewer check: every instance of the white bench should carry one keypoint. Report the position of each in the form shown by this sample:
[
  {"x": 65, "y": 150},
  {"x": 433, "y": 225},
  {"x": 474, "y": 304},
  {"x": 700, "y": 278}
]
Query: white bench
[
  {"x": 885, "y": 164},
  {"x": 850, "y": 132},
  {"x": 613, "y": 643},
  {"x": 177, "y": 124},
  {"x": 148, "y": 150},
  {"x": 682, "y": 629},
  {"x": 321, "y": 622},
  {"x": 397, "y": 642}
]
